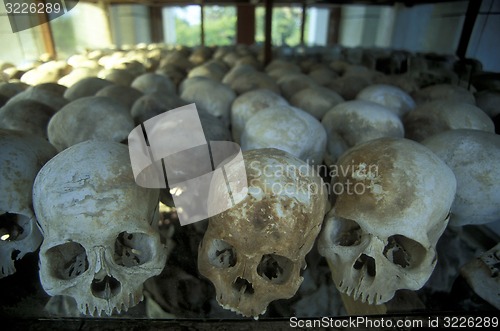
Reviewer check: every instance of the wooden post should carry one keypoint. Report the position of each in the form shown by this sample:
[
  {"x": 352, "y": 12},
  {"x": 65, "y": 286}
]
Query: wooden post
[
  {"x": 104, "y": 5},
  {"x": 245, "y": 26},
  {"x": 470, "y": 20},
  {"x": 156, "y": 24},
  {"x": 268, "y": 32},
  {"x": 202, "y": 23},
  {"x": 47, "y": 36},
  {"x": 334, "y": 25},
  {"x": 303, "y": 22}
]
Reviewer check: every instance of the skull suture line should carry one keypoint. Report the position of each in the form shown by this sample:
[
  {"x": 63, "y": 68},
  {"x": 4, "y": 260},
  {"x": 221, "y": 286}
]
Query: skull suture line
[
  {"x": 381, "y": 235},
  {"x": 100, "y": 242},
  {"x": 253, "y": 253}
]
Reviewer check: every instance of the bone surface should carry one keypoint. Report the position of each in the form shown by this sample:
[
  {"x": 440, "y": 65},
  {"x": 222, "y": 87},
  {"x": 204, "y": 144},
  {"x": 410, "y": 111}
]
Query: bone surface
[
  {"x": 247, "y": 105},
  {"x": 89, "y": 118},
  {"x": 100, "y": 238},
  {"x": 286, "y": 128},
  {"x": 392, "y": 200},
  {"x": 442, "y": 115},
  {"x": 391, "y": 97},
  {"x": 21, "y": 157},
  {"x": 474, "y": 157},
  {"x": 354, "y": 122},
  {"x": 253, "y": 253}
]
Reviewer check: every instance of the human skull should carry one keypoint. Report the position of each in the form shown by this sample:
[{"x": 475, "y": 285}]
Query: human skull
[
  {"x": 316, "y": 100},
  {"x": 441, "y": 115},
  {"x": 26, "y": 115},
  {"x": 89, "y": 118},
  {"x": 247, "y": 105},
  {"x": 100, "y": 238},
  {"x": 392, "y": 201},
  {"x": 211, "y": 96},
  {"x": 474, "y": 157},
  {"x": 444, "y": 92},
  {"x": 286, "y": 128},
  {"x": 85, "y": 88},
  {"x": 21, "y": 157},
  {"x": 391, "y": 97},
  {"x": 151, "y": 83},
  {"x": 354, "y": 122},
  {"x": 253, "y": 253},
  {"x": 483, "y": 275}
]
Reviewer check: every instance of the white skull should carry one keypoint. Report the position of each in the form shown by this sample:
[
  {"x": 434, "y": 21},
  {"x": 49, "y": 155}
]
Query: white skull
[
  {"x": 474, "y": 157},
  {"x": 210, "y": 96},
  {"x": 483, "y": 275},
  {"x": 441, "y": 115},
  {"x": 286, "y": 128},
  {"x": 86, "y": 87},
  {"x": 392, "y": 202},
  {"x": 317, "y": 100},
  {"x": 444, "y": 92},
  {"x": 100, "y": 241},
  {"x": 247, "y": 105},
  {"x": 253, "y": 253},
  {"x": 354, "y": 122},
  {"x": 89, "y": 118},
  {"x": 391, "y": 97},
  {"x": 21, "y": 157}
]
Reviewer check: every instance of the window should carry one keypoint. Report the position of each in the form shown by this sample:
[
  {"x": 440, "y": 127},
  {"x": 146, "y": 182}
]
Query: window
[
  {"x": 182, "y": 25},
  {"x": 286, "y": 25}
]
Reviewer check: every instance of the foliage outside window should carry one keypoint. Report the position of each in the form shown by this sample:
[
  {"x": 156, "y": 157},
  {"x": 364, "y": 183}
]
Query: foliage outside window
[{"x": 286, "y": 24}]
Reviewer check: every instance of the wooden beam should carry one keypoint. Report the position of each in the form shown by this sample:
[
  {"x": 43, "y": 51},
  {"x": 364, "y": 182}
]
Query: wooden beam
[
  {"x": 156, "y": 24},
  {"x": 202, "y": 31},
  {"x": 47, "y": 36},
  {"x": 303, "y": 22},
  {"x": 334, "y": 25},
  {"x": 245, "y": 26},
  {"x": 470, "y": 20},
  {"x": 268, "y": 52}
]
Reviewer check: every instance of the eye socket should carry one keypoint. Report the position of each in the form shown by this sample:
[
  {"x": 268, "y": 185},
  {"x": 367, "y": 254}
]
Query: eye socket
[
  {"x": 404, "y": 252},
  {"x": 345, "y": 232},
  {"x": 67, "y": 261},
  {"x": 221, "y": 254},
  {"x": 275, "y": 268},
  {"x": 12, "y": 227},
  {"x": 132, "y": 249}
]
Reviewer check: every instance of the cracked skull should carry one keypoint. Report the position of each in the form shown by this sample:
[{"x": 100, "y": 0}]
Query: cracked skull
[
  {"x": 100, "y": 241},
  {"x": 21, "y": 157},
  {"x": 254, "y": 252},
  {"x": 392, "y": 202}
]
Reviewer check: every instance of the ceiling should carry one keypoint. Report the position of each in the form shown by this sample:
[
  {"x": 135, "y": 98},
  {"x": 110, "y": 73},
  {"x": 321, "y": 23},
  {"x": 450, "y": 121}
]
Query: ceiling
[{"x": 286, "y": 2}]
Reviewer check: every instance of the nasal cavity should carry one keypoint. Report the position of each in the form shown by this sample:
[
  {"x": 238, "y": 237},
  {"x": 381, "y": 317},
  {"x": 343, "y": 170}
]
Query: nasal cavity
[
  {"x": 243, "y": 286},
  {"x": 368, "y": 262},
  {"x": 106, "y": 287}
]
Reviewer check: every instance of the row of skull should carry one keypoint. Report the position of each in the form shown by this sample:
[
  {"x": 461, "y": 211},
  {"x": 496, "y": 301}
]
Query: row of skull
[{"x": 100, "y": 247}]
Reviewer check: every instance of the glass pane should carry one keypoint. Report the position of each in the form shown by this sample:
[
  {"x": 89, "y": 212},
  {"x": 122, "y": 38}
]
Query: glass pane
[
  {"x": 220, "y": 25},
  {"x": 182, "y": 25},
  {"x": 71, "y": 38},
  {"x": 285, "y": 28}
]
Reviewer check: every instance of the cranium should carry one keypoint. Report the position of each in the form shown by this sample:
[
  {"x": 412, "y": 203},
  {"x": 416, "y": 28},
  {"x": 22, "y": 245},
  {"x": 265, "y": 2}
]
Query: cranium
[
  {"x": 286, "y": 128},
  {"x": 100, "y": 238},
  {"x": 392, "y": 200},
  {"x": 89, "y": 118},
  {"x": 253, "y": 253},
  {"x": 85, "y": 88},
  {"x": 21, "y": 157},
  {"x": 388, "y": 96},
  {"x": 473, "y": 156},
  {"x": 316, "y": 100},
  {"x": 247, "y": 105},
  {"x": 354, "y": 122},
  {"x": 441, "y": 115}
]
